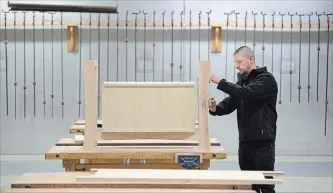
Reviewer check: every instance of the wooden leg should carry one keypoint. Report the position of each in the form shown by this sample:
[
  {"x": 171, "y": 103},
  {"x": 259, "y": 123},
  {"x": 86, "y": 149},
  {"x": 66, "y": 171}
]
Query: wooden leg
[
  {"x": 90, "y": 83},
  {"x": 70, "y": 164},
  {"x": 205, "y": 164},
  {"x": 204, "y": 72}
]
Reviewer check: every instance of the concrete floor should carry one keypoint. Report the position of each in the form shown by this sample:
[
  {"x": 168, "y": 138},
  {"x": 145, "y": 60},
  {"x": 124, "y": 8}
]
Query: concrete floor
[{"x": 302, "y": 174}]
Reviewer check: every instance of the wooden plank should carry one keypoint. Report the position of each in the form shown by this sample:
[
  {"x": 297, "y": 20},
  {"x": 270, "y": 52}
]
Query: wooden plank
[
  {"x": 79, "y": 138},
  {"x": 80, "y": 129},
  {"x": 68, "y": 180},
  {"x": 130, "y": 152},
  {"x": 153, "y": 176},
  {"x": 148, "y": 110},
  {"x": 147, "y": 142},
  {"x": 133, "y": 161},
  {"x": 69, "y": 142},
  {"x": 151, "y": 134},
  {"x": 275, "y": 174},
  {"x": 91, "y": 83},
  {"x": 77, "y": 129},
  {"x": 204, "y": 72},
  {"x": 99, "y": 122},
  {"x": 120, "y": 190},
  {"x": 75, "y": 165},
  {"x": 87, "y": 167},
  {"x": 78, "y": 141}
]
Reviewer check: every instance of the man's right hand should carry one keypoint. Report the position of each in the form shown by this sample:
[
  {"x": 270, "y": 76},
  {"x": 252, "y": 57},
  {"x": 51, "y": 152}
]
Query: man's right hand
[{"x": 212, "y": 104}]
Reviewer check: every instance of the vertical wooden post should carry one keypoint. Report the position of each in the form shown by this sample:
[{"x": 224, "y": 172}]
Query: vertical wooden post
[
  {"x": 90, "y": 84},
  {"x": 204, "y": 73}
]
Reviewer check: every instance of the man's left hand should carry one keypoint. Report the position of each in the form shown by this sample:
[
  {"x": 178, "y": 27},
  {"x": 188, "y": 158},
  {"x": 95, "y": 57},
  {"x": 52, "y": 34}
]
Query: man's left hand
[{"x": 214, "y": 79}]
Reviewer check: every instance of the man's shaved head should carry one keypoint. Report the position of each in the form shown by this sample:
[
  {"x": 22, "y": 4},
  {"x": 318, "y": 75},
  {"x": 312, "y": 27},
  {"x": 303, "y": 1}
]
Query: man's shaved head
[
  {"x": 244, "y": 51},
  {"x": 244, "y": 59}
]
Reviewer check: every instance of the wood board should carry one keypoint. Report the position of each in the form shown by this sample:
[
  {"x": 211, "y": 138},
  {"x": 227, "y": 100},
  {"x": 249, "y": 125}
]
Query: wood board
[
  {"x": 155, "y": 176},
  {"x": 67, "y": 180},
  {"x": 80, "y": 129},
  {"x": 99, "y": 122},
  {"x": 147, "y": 134},
  {"x": 130, "y": 152},
  {"x": 77, "y": 140},
  {"x": 148, "y": 110},
  {"x": 119, "y": 190},
  {"x": 91, "y": 105},
  {"x": 83, "y": 122},
  {"x": 204, "y": 73}
]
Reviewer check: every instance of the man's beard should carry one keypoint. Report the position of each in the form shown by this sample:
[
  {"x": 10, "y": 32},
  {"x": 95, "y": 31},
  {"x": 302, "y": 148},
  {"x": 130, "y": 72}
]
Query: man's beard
[{"x": 241, "y": 71}]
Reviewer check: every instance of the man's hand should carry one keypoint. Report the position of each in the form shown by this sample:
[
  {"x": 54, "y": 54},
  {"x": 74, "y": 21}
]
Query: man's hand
[
  {"x": 212, "y": 104},
  {"x": 214, "y": 79}
]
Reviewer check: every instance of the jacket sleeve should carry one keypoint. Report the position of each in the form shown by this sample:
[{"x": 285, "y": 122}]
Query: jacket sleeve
[
  {"x": 225, "y": 107},
  {"x": 263, "y": 86}
]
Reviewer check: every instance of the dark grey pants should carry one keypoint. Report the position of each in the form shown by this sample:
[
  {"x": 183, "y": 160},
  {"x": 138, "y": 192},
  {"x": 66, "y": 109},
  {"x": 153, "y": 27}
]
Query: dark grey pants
[{"x": 259, "y": 157}]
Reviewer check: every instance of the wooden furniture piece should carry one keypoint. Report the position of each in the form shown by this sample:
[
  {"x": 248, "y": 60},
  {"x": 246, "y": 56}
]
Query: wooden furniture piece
[
  {"x": 148, "y": 110},
  {"x": 172, "y": 150}
]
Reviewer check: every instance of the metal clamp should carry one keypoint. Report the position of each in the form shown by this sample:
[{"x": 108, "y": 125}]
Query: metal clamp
[
  {"x": 128, "y": 161},
  {"x": 189, "y": 161}
]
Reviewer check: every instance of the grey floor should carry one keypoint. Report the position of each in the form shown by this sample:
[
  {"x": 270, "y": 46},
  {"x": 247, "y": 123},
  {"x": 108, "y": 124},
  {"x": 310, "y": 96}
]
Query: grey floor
[{"x": 302, "y": 174}]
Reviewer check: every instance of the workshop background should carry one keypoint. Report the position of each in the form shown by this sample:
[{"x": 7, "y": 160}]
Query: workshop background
[
  {"x": 304, "y": 135},
  {"x": 27, "y": 129}
]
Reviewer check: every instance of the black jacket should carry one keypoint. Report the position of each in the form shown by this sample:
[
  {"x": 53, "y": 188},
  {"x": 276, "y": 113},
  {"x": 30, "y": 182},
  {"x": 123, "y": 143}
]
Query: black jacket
[{"x": 254, "y": 96}]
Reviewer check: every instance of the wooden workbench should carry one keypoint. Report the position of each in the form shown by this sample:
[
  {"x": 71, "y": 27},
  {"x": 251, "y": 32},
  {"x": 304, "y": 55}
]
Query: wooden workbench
[{"x": 144, "y": 155}]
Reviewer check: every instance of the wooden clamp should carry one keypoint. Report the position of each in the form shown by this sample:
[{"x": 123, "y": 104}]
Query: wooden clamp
[
  {"x": 215, "y": 39},
  {"x": 72, "y": 38}
]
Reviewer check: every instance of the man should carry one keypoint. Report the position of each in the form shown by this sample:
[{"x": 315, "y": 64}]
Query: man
[{"x": 254, "y": 96}]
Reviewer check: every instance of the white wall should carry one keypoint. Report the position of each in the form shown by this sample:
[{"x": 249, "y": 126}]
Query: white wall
[{"x": 300, "y": 125}]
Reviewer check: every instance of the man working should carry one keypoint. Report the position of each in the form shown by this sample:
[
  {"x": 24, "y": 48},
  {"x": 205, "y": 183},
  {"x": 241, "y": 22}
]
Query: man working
[{"x": 254, "y": 96}]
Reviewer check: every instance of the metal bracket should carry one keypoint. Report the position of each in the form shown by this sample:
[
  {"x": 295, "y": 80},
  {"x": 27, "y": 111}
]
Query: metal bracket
[
  {"x": 128, "y": 161},
  {"x": 189, "y": 161}
]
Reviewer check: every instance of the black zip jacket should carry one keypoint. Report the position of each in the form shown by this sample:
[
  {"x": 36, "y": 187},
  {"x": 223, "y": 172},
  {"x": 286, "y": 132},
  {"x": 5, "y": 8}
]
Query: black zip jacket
[{"x": 254, "y": 96}]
